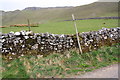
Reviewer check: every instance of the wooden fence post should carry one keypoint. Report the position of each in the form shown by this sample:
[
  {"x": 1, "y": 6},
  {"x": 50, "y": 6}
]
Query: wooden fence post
[
  {"x": 28, "y": 24},
  {"x": 78, "y": 40}
]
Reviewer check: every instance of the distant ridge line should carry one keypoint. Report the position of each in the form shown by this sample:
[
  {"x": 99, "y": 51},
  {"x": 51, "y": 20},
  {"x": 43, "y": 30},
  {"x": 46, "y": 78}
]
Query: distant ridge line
[
  {"x": 38, "y": 8},
  {"x": 96, "y": 18}
]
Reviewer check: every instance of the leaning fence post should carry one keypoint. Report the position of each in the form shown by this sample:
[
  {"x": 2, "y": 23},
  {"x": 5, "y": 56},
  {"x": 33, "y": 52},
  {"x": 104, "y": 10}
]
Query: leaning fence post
[{"x": 80, "y": 49}]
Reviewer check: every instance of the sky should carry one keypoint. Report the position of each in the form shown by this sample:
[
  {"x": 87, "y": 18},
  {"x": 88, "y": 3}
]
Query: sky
[{"x": 10, "y": 5}]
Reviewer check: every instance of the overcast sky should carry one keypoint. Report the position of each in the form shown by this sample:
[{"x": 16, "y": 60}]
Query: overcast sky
[{"x": 10, "y": 5}]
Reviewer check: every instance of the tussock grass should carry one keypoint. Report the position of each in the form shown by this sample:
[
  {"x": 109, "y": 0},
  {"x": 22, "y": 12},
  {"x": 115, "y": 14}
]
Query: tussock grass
[{"x": 60, "y": 65}]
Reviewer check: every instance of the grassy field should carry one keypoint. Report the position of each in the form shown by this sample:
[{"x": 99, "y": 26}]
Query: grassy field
[
  {"x": 60, "y": 65},
  {"x": 67, "y": 27}
]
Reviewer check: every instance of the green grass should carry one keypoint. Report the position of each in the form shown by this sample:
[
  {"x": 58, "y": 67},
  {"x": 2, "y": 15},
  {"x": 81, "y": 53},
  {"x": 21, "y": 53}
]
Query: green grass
[
  {"x": 60, "y": 65},
  {"x": 67, "y": 27}
]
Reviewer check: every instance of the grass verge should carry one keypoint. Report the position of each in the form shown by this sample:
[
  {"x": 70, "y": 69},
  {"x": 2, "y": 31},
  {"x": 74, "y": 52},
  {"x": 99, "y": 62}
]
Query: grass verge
[{"x": 60, "y": 65}]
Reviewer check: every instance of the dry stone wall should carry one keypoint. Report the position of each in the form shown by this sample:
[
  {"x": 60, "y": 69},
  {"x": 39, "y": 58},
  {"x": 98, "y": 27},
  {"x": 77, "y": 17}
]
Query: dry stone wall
[{"x": 15, "y": 44}]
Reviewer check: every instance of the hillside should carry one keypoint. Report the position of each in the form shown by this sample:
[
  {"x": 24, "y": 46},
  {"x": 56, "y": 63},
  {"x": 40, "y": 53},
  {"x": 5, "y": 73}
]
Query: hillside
[{"x": 41, "y": 15}]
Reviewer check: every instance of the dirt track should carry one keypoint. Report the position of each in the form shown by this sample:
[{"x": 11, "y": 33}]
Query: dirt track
[{"x": 105, "y": 72}]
